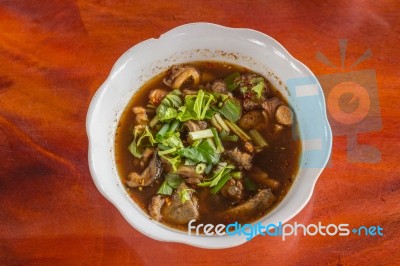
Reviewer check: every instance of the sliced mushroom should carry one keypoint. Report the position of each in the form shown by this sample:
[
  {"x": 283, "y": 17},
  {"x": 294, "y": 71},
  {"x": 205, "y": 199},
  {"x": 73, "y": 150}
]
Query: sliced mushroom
[
  {"x": 179, "y": 74},
  {"x": 148, "y": 176},
  {"x": 157, "y": 95},
  {"x": 250, "y": 120},
  {"x": 284, "y": 115},
  {"x": 155, "y": 207}
]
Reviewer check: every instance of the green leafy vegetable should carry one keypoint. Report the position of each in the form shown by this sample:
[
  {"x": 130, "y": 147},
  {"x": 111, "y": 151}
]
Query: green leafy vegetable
[
  {"x": 165, "y": 189},
  {"x": 217, "y": 141},
  {"x": 171, "y": 181},
  {"x": 220, "y": 184},
  {"x": 250, "y": 185},
  {"x": 185, "y": 194},
  {"x": 196, "y": 106},
  {"x": 231, "y": 109},
  {"x": 142, "y": 138},
  {"x": 168, "y": 108},
  {"x": 174, "y": 161},
  {"x": 259, "y": 88},
  {"x": 221, "y": 171},
  {"x": 232, "y": 81},
  {"x": 221, "y": 175},
  {"x": 226, "y": 137},
  {"x": 205, "y": 152},
  {"x": 164, "y": 152}
]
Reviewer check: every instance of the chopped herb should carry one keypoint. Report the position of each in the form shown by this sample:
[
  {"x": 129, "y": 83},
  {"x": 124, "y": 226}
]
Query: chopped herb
[
  {"x": 250, "y": 185},
  {"x": 201, "y": 134},
  {"x": 200, "y": 168},
  {"x": 217, "y": 141},
  {"x": 171, "y": 181},
  {"x": 205, "y": 152},
  {"x": 185, "y": 194},
  {"x": 232, "y": 81},
  {"x": 231, "y": 109},
  {"x": 259, "y": 88}
]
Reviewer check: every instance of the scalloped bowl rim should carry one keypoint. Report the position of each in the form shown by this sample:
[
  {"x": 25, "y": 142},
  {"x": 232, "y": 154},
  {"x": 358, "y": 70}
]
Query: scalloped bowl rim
[{"x": 101, "y": 140}]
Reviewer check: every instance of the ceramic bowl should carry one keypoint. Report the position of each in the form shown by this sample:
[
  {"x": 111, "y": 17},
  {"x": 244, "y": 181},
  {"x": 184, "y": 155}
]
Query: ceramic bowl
[{"x": 196, "y": 42}]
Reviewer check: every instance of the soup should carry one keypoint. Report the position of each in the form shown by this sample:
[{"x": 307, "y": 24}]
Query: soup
[{"x": 208, "y": 142}]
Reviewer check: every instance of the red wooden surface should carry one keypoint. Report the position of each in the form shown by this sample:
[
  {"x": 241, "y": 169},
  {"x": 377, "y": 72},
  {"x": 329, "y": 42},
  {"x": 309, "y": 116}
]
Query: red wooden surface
[{"x": 55, "y": 54}]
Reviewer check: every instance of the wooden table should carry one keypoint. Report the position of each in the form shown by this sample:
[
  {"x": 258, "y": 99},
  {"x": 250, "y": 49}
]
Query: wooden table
[{"x": 55, "y": 54}]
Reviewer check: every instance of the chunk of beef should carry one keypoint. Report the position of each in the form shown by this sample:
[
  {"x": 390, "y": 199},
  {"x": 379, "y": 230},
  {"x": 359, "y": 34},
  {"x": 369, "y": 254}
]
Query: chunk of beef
[
  {"x": 271, "y": 105},
  {"x": 146, "y": 156},
  {"x": 157, "y": 95},
  {"x": 256, "y": 205},
  {"x": 250, "y": 105},
  {"x": 219, "y": 86},
  {"x": 240, "y": 159},
  {"x": 148, "y": 176},
  {"x": 155, "y": 206},
  {"x": 195, "y": 126},
  {"x": 233, "y": 189},
  {"x": 188, "y": 173},
  {"x": 251, "y": 119},
  {"x": 141, "y": 115},
  {"x": 181, "y": 211}
]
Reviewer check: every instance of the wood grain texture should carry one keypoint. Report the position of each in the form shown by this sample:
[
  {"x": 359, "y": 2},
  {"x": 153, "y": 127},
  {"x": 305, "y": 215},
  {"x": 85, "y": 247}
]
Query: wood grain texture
[{"x": 55, "y": 54}]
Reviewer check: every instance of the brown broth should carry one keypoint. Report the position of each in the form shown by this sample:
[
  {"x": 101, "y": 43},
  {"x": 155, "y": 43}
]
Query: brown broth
[{"x": 280, "y": 160}]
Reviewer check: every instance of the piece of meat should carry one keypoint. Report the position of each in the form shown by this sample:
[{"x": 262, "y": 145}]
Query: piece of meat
[
  {"x": 195, "y": 126},
  {"x": 249, "y": 147},
  {"x": 219, "y": 86},
  {"x": 284, "y": 115},
  {"x": 239, "y": 158},
  {"x": 179, "y": 212},
  {"x": 157, "y": 95},
  {"x": 178, "y": 74},
  {"x": 250, "y": 105},
  {"x": 191, "y": 126},
  {"x": 250, "y": 120},
  {"x": 261, "y": 177},
  {"x": 141, "y": 115},
  {"x": 256, "y": 205},
  {"x": 146, "y": 156},
  {"x": 233, "y": 189},
  {"x": 155, "y": 206},
  {"x": 271, "y": 105},
  {"x": 148, "y": 176},
  {"x": 188, "y": 173}
]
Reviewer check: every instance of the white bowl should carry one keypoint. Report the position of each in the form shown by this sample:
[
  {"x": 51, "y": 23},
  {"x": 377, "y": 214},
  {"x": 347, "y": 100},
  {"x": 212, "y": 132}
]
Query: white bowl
[{"x": 195, "y": 42}]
